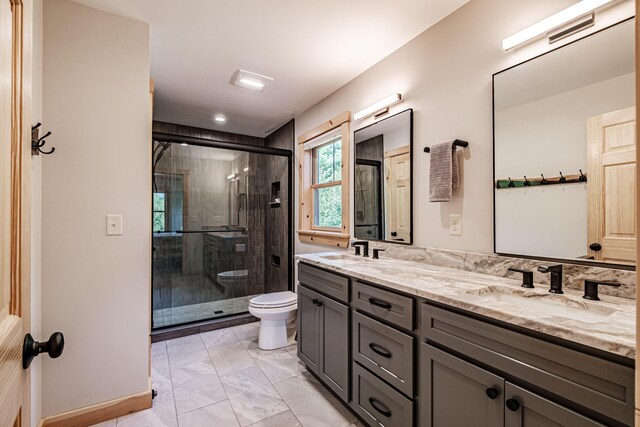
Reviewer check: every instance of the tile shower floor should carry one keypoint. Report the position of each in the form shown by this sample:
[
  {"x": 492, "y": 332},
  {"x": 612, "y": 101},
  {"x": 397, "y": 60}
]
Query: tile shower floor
[
  {"x": 221, "y": 378},
  {"x": 203, "y": 311}
]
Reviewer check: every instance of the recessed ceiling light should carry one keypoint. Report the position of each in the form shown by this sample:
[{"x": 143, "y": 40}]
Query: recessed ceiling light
[
  {"x": 220, "y": 119},
  {"x": 249, "y": 80}
]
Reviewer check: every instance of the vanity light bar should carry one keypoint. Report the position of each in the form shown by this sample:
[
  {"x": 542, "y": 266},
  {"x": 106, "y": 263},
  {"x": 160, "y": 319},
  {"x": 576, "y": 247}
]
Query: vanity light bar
[
  {"x": 378, "y": 106},
  {"x": 567, "y": 15}
]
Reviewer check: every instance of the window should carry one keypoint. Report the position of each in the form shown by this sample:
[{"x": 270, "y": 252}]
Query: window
[
  {"x": 324, "y": 183},
  {"x": 327, "y": 185},
  {"x": 159, "y": 212}
]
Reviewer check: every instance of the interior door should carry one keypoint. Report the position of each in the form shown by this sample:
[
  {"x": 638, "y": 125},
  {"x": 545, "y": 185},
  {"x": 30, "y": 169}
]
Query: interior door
[
  {"x": 398, "y": 181},
  {"x": 611, "y": 185},
  {"x": 15, "y": 147}
]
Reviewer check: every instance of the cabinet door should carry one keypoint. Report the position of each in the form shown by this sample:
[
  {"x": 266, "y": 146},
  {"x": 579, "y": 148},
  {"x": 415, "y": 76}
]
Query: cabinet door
[
  {"x": 457, "y": 393},
  {"x": 526, "y": 409},
  {"x": 334, "y": 341},
  {"x": 309, "y": 328}
]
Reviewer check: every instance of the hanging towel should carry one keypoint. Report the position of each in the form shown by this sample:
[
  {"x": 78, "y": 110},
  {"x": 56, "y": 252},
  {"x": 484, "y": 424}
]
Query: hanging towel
[{"x": 443, "y": 172}]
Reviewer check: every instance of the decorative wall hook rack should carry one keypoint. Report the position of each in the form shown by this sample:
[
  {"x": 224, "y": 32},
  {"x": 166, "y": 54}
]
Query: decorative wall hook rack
[
  {"x": 456, "y": 143},
  {"x": 534, "y": 182},
  {"x": 38, "y": 143}
]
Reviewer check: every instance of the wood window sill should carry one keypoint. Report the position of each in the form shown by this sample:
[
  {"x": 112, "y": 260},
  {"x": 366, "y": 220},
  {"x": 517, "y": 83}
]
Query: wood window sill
[{"x": 329, "y": 238}]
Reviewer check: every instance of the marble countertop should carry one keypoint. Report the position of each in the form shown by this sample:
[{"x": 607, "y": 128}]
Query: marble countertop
[{"x": 607, "y": 325}]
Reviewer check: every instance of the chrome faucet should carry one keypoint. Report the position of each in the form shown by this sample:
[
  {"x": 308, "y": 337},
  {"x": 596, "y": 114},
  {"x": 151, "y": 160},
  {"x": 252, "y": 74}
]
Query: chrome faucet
[{"x": 556, "y": 277}]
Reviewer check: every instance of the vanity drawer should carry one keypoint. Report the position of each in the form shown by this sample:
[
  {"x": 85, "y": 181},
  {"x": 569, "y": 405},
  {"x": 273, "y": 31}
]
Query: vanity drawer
[
  {"x": 591, "y": 382},
  {"x": 385, "y": 351},
  {"x": 324, "y": 282},
  {"x": 377, "y": 402},
  {"x": 386, "y": 305}
]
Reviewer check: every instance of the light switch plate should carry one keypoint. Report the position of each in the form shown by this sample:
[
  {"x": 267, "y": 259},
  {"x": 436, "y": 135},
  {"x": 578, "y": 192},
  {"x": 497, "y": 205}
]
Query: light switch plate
[
  {"x": 114, "y": 225},
  {"x": 455, "y": 224}
]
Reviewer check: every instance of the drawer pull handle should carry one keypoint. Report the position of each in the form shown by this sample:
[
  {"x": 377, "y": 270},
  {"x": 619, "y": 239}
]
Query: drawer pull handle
[
  {"x": 492, "y": 393},
  {"x": 513, "y": 405},
  {"x": 380, "y": 303},
  {"x": 379, "y": 406},
  {"x": 378, "y": 349}
]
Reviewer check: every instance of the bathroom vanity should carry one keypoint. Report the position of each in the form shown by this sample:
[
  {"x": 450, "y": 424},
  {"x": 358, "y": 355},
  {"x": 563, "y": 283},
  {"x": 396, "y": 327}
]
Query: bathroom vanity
[{"x": 405, "y": 343}]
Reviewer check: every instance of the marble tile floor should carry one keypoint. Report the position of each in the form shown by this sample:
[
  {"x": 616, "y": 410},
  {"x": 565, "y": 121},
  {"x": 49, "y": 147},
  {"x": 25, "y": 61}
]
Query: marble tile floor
[
  {"x": 222, "y": 379},
  {"x": 203, "y": 311}
]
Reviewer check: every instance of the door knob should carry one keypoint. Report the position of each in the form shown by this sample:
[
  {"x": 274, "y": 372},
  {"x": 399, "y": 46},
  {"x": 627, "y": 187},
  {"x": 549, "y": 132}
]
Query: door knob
[
  {"x": 394, "y": 234},
  {"x": 32, "y": 348},
  {"x": 595, "y": 247}
]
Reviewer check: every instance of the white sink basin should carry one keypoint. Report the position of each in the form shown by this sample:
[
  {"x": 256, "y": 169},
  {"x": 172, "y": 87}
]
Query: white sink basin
[{"x": 552, "y": 305}]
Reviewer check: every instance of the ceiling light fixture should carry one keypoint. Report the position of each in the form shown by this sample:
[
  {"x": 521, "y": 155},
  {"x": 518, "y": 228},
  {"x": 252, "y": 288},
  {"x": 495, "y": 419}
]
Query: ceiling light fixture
[
  {"x": 249, "y": 80},
  {"x": 232, "y": 176},
  {"x": 567, "y": 15},
  {"x": 220, "y": 119},
  {"x": 379, "y": 107}
]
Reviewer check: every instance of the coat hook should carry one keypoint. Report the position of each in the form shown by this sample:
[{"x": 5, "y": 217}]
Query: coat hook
[
  {"x": 498, "y": 184},
  {"x": 38, "y": 143},
  {"x": 582, "y": 177},
  {"x": 527, "y": 183},
  {"x": 511, "y": 183},
  {"x": 544, "y": 180},
  {"x": 562, "y": 178}
]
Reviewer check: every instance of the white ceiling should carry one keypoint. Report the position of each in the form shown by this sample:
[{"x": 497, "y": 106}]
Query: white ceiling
[{"x": 310, "y": 47}]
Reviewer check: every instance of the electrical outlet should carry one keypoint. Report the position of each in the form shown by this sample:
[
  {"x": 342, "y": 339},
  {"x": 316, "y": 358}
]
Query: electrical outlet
[
  {"x": 455, "y": 224},
  {"x": 114, "y": 225}
]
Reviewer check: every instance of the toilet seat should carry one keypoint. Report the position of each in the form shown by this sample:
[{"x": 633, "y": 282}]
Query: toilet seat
[{"x": 274, "y": 300}]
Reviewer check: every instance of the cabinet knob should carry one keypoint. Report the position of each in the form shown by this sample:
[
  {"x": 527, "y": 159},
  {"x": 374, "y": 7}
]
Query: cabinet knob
[
  {"x": 314, "y": 301},
  {"x": 492, "y": 393},
  {"x": 319, "y": 304},
  {"x": 512, "y": 404}
]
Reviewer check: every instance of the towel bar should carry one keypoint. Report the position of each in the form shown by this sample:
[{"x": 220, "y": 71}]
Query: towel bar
[{"x": 456, "y": 143}]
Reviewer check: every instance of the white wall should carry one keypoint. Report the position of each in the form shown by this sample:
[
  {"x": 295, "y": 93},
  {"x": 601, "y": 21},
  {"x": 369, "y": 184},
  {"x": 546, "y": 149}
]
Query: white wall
[
  {"x": 544, "y": 137},
  {"x": 36, "y": 210},
  {"x": 95, "y": 289},
  {"x": 445, "y": 75}
]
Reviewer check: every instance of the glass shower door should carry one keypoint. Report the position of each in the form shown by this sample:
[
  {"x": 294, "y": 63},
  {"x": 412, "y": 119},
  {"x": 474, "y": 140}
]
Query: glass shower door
[{"x": 211, "y": 219}]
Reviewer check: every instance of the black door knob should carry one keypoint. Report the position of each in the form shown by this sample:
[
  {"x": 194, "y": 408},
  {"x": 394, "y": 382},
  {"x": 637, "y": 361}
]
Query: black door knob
[
  {"x": 394, "y": 234},
  {"x": 492, "y": 393},
  {"x": 512, "y": 404},
  {"x": 595, "y": 247},
  {"x": 31, "y": 348}
]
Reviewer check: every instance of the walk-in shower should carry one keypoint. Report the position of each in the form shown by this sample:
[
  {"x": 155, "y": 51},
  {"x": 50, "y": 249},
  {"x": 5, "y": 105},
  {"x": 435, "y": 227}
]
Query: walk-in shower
[{"x": 221, "y": 227}]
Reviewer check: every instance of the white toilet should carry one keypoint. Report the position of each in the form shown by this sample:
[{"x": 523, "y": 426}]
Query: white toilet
[{"x": 274, "y": 310}]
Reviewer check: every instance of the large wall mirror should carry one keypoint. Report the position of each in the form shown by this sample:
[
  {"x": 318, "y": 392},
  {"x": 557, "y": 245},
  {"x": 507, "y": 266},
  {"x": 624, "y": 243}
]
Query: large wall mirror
[
  {"x": 565, "y": 137},
  {"x": 383, "y": 179}
]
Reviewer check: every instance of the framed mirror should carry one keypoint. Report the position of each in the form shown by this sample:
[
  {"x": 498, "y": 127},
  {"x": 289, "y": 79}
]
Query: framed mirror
[
  {"x": 383, "y": 179},
  {"x": 564, "y": 152}
]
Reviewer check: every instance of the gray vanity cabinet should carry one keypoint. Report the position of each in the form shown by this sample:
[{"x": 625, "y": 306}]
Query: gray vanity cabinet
[
  {"x": 308, "y": 328},
  {"x": 457, "y": 393},
  {"x": 531, "y": 410},
  {"x": 323, "y": 328}
]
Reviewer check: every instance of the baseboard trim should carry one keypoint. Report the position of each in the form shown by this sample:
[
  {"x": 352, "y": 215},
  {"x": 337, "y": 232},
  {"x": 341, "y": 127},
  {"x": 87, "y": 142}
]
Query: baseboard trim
[{"x": 100, "y": 412}]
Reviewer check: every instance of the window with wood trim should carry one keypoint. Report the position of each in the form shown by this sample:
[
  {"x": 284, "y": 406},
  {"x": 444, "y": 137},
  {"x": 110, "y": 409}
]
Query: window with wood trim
[{"x": 324, "y": 183}]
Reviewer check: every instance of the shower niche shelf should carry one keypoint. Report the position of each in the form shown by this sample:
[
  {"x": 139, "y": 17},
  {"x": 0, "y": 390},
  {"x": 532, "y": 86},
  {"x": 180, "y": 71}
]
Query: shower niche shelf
[{"x": 275, "y": 194}]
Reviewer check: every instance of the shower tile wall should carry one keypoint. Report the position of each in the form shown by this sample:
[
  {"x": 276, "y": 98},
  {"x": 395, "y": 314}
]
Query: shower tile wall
[{"x": 277, "y": 225}]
